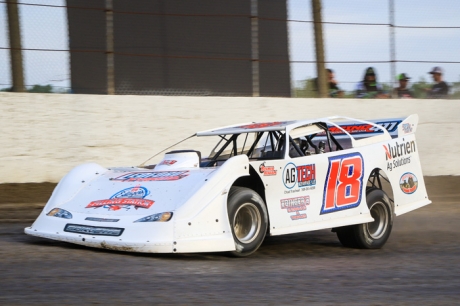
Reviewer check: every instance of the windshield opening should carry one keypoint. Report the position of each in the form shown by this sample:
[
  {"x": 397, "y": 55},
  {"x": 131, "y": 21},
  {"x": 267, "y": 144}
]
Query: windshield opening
[{"x": 216, "y": 149}]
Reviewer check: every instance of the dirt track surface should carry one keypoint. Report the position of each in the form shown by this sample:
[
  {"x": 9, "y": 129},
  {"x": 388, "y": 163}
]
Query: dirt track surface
[{"x": 419, "y": 265}]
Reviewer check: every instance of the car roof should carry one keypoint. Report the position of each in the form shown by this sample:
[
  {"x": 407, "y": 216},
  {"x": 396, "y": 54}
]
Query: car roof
[
  {"x": 252, "y": 127},
  {"x": 289, "y": 125}
]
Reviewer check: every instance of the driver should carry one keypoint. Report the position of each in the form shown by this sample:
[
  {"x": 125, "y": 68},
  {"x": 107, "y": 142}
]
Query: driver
[{"x": 302, "y": 144}]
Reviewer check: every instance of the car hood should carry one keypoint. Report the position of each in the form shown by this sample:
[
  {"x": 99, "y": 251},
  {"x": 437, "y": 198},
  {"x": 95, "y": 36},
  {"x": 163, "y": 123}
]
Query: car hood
[{"x": 137, "y": 191}]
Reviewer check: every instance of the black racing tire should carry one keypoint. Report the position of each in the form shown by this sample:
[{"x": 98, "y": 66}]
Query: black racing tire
[
  {"x": 346, "y": 236},
  {"x": 248, "y": 219},
  {"x": 372, "y": 235}
]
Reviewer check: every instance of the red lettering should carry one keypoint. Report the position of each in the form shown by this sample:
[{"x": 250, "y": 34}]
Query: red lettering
[{"x": 306, "y": 173}]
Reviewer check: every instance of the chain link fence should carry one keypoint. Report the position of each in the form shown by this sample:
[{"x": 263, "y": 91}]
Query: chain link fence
[
  {"x": 45, "y": 46},
  {"x": 359, "y": 34},
  {"x": 391, "y": 36}
]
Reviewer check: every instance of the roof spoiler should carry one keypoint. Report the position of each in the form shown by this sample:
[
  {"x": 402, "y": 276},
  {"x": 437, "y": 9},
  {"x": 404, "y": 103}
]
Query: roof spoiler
[{"x": 396, "y": 127}]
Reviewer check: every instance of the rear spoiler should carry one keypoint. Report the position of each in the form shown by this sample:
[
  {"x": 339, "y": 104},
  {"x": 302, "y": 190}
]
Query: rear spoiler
[
  {"x": 396, "y": 127},
  {"x": 408, "y": 125}
]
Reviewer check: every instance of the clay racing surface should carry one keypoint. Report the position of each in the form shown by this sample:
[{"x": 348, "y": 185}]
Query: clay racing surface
[{"x": 419, "y": 265}]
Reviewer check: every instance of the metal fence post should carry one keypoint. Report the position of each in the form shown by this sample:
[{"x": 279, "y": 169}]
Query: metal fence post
[
  {"x": 255, "y": 48},
  {"x": 392, "y": 48},
  {"x": 319, "y": 47},
  {"x": 17, "y": 72},
  {"x": 109, "y": 50}
]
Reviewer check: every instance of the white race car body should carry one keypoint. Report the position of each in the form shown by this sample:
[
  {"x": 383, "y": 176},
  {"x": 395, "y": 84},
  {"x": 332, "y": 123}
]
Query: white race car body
[{"x": 325, "y": 188}]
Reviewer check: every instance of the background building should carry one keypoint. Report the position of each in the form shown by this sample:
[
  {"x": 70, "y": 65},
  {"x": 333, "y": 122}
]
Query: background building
[{"x": 182, "y": 47}]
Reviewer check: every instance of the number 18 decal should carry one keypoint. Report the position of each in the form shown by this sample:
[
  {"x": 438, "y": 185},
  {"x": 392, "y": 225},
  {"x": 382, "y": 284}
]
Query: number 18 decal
[{"x": 344, "y": 181}]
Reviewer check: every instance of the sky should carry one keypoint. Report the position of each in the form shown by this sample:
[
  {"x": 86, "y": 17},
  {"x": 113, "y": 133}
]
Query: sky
[
  {"x": 47, "y": 28},
  {"x": 372, "y": 43}
]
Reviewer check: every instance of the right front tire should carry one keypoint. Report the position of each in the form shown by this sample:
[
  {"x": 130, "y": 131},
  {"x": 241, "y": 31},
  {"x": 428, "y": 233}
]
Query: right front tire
[{"x": 248, "y": 218}]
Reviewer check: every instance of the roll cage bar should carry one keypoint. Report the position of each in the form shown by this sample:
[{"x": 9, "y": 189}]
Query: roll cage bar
[{"x": 276, "y": 141}]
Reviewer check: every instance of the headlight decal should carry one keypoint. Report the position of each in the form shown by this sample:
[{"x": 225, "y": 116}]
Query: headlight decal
[
  {"x": 60, "y": 213},
  {"x": 161, "y": 217}
]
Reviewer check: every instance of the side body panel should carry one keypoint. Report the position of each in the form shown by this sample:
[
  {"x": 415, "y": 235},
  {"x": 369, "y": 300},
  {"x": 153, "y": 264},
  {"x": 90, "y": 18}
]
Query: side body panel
[
  {"x": 329, "y": 190},
  {"x": 315, "y": 192},
  {"x": 402, "y": 166}
]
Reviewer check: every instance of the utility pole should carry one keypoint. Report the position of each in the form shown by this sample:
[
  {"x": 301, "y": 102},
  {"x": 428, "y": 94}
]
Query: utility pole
[
  {"x": 392, "y": 47},
  {"x": 255, "y": 48},
  {"x": 109, "y": 51},
  {"x": 17, "y": 72},
  {"x": 319, "y": 48}
]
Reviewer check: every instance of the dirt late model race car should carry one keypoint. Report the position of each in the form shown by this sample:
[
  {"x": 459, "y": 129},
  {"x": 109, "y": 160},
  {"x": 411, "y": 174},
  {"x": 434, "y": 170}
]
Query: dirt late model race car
[{"x": 259, "y": 179}]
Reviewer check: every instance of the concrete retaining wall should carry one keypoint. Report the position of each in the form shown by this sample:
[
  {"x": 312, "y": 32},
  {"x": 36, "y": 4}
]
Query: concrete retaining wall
[{"x": 43, "y": 136}]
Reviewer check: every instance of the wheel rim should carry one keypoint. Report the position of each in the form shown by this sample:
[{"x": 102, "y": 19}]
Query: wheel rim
[
  {"x": 379, "y": 212},
  {"x": 246, "y": 223}
]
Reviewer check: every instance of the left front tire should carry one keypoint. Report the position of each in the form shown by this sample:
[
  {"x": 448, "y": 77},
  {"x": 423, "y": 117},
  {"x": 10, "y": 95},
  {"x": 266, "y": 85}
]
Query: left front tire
[{"x": 248, "y": 219}]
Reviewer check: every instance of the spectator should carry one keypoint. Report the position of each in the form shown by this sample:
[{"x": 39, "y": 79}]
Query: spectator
[
  {"x": 369, "y": 88},
  {"x": 334, "y": 90},
  {"x": 402, "y": 91},
  {"x": 440, "y": 89}
]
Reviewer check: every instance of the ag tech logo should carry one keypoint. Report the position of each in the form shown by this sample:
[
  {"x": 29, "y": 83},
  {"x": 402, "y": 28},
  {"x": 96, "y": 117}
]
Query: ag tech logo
[{"x": 301, "y": 176}]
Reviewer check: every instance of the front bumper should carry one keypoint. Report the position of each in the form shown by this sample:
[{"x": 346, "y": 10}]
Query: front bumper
[
  {"x": 104, "y": 242},
  {"x": 150, "y": 237}
]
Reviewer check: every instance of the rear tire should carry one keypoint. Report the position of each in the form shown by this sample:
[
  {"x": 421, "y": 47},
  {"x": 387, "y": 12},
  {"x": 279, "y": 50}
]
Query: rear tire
[
  {"x": 372, "y": 235},
  {"x": 346, "y": 236},
  {"x": 248, "y": 218}
]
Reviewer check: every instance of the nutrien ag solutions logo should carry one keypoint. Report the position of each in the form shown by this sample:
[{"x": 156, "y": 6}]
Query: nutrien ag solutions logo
[
  {"x": 399, "y": 149},
  {"x": 399, "y": 154}
]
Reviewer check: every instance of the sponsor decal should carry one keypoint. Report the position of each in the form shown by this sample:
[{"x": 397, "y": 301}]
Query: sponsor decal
[
  {"x": 125, "y": 199},
  {"x": 354, "y": 129},
  {"x": 407, "y": 128},
  {"x": 93, "y": 230},
  {"x": 296, "y": 205},
  {"x": 101, "y": 219},
  {"x": 117, "y": 204},
  {"x": 290, "y": 175},
  {"x": 137, "y": 192},
  {"x": 408, "y": 183},
  {"x": 168, "y": 162},
  {"x": 306, "y": 175},
  {"x": 363, "y": 128},
  {"x": 303, "y": 177},
  {"x": 261, "y": 125},
  {"x": 344, "y": 183},
  {"x": 152, "y": 176},
  {"x": 267, "y": 170},
  {"x": 396, "y": 154},
  {"x": 398, "y": 150}
]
